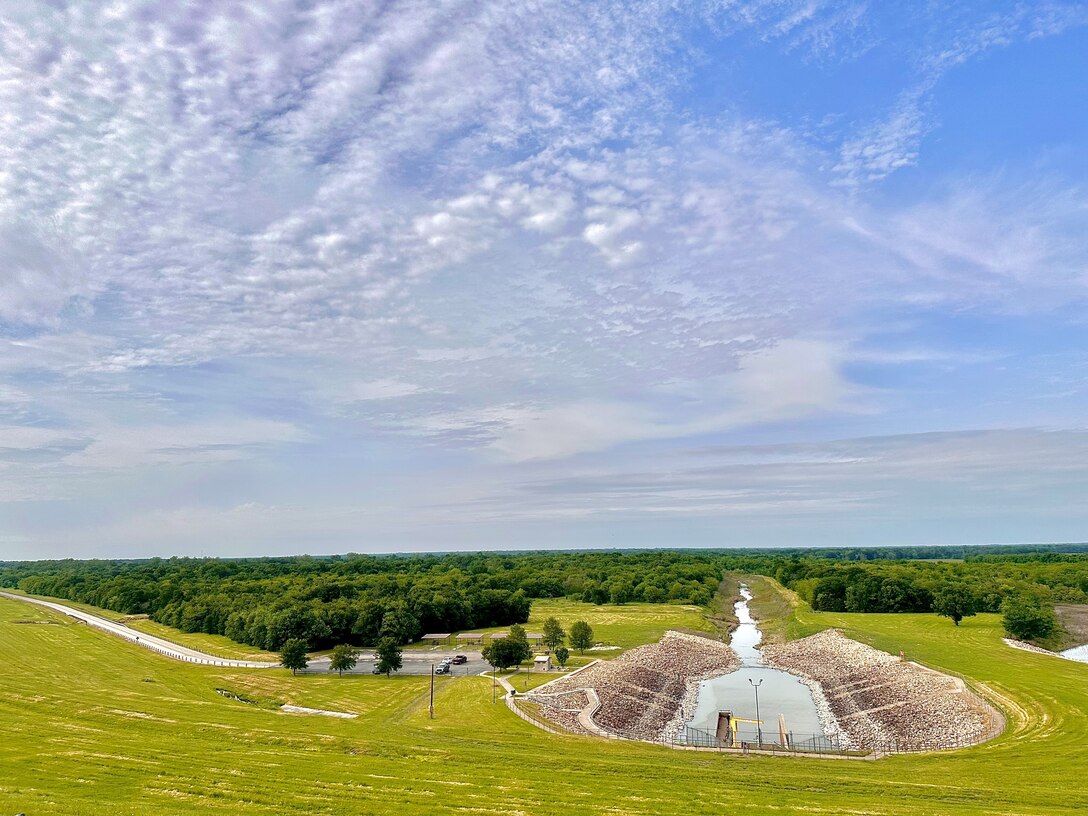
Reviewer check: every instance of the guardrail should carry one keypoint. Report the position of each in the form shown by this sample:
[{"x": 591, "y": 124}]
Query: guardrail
[{"x": 121, "y": 631}]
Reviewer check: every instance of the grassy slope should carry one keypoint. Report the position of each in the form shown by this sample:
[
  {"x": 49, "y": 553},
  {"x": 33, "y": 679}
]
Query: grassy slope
[
  {"x": 216, "y": 645},
  {"x": 624, "y": 626},
  {"x": 781, "y": 614},
  {"x": 84, "y": 734}
]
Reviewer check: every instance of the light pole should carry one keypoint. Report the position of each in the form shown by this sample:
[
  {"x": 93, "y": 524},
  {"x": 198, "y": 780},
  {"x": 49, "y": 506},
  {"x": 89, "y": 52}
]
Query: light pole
[
  {"x": 432, "y": 691},
  {"x": 759, "y": 722}
]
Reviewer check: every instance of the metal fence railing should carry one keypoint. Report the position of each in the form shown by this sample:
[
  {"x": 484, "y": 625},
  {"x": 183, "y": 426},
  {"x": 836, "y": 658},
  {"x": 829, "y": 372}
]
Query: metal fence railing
[
  {"x": 750, "y": 738},
  {"x": 687, "y": 738}
]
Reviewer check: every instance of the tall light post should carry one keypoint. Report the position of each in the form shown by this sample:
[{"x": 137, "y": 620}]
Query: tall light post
[
  {"x": 432, "y": 691},
  {"x": 759, "y": 721}
]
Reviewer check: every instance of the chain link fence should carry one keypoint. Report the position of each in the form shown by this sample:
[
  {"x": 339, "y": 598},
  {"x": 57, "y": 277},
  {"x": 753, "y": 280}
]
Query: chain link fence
[{"x": 751, "y": 738}]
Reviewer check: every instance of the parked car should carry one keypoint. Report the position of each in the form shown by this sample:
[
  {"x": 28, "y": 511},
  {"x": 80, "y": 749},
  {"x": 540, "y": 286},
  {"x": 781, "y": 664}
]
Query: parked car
[
  {"x": 442, "y": 668},
  {"x": 459, "y": 659}
]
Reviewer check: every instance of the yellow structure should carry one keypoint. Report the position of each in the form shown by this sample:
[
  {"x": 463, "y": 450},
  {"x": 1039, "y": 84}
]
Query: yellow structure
[{"x": 729, "y": 724}]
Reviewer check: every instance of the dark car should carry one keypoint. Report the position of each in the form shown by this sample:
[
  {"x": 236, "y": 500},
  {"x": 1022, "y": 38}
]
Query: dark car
[
  {"x": 441, "y": 668},
  {"x": 459, "y": 659}
]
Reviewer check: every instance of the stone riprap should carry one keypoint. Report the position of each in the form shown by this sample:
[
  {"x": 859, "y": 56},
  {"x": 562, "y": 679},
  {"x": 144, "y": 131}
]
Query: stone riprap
[
  {"x": 642, "y": 690},
  {"x": 882, "y": 703},
  {"x": 1028, "y": 647},
  {"x": 562, "y": 708}
]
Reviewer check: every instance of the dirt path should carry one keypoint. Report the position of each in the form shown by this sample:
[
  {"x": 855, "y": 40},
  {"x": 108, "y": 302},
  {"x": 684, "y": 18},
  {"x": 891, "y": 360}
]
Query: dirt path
[{"x": 155, "y": 644}]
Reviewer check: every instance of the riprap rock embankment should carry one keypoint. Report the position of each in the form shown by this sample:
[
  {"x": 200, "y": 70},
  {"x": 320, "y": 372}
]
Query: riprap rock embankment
[
  {"x": 879, "y": 702},
  {"x": 642, "y": 690}
]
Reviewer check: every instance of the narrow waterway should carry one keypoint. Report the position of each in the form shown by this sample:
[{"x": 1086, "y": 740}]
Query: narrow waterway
[{"x": 779, "y": 692}]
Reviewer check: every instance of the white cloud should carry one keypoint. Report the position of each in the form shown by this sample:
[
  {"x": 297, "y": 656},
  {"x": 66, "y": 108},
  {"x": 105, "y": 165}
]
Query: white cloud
[
  {"x": 848, "y": 488},
  {"x": 137, "y": 446},
  {"x": 888, "y": 145},
  {"x": 796, "y": 378},
  {"x": 383, "y": 389},
  {"x": 18, "y": 438},
  {"x": 895, "y": 141},
  {"x": 39, "y": 274},
  {"x": 516, "y": 214},
  {"x": 609, "y": 231}
]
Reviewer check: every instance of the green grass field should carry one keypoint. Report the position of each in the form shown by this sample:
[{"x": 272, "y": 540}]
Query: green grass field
[
  {"x": 216, "y": 645},
  {"x": 83, "y": 732},
  {"x": 624, "y": 625}
]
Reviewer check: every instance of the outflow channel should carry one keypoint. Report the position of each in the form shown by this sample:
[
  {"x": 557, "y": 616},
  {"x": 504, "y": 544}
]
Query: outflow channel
[{"x": 779, "y": 692}]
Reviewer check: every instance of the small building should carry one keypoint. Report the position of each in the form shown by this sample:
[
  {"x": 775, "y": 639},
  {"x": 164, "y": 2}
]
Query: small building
[
  {"x": 470, "y": 638},
  {"x": 437, "y": 640},
  {"x": 542, "y": 663}
]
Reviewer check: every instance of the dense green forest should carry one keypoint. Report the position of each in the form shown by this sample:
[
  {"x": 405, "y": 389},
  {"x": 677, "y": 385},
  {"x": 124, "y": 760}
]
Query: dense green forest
[
  {"x": 909, "y": 586},
  {"x": 358, "y": 598}
]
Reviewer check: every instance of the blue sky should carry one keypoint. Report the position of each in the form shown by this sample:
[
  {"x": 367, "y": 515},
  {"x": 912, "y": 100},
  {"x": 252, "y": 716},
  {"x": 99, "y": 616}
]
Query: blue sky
[{"x": 321, "y": 277}]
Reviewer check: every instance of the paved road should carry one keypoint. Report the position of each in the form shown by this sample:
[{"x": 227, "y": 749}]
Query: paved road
[
  {"x": 415, "y": 662},
  {"x": 165, "y": 647}
]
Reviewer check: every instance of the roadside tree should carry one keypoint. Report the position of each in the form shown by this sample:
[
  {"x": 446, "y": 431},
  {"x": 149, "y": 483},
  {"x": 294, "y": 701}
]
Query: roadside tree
[
  {"x": 293, "y": 656},
  {"x": 581, "y": 635},
  {"x": 523, "y": 651},
  {"x": 562, "y": 656},
  {"x": 344, "y": 658},
  {"x": 506, "y": 652},
  {"x": 389, "y": 656}
]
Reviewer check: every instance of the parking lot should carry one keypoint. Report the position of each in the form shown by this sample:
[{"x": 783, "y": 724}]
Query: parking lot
[{"x": 414, "y": 662}]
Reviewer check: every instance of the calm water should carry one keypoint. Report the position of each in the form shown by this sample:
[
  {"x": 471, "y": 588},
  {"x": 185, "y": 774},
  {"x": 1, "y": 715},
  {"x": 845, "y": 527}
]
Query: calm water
[
  {"x": 779, "y": 692},
  {"x": 1077, "y": 653}
]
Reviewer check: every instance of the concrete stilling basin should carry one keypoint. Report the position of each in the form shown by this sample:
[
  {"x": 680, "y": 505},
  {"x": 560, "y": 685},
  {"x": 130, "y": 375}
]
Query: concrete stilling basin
[{"x": 779, "y": 692}]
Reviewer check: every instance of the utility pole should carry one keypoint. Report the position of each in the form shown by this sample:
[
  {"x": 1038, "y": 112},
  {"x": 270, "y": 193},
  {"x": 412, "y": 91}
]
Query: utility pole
[
  {"x": 494, "y": 683},
  {"x": 432, "y": 691},
  {"x": 759, "y": 722}
]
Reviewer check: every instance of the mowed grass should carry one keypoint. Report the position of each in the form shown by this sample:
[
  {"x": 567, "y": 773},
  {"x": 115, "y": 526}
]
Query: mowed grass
[
  {"x": 84, "y": 734},
  {"x": 216, "y": 645},
  {"x": 622, "y": 625}
]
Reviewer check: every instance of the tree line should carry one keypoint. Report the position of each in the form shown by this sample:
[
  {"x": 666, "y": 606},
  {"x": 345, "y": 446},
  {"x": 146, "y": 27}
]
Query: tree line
[
  {"x": 365, "y": 600},
  {"x": 360, "y": 599}
]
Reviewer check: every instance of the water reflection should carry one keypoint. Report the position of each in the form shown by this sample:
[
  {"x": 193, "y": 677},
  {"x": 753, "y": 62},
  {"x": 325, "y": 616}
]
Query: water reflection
[{"x": 779, "y": 692}]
